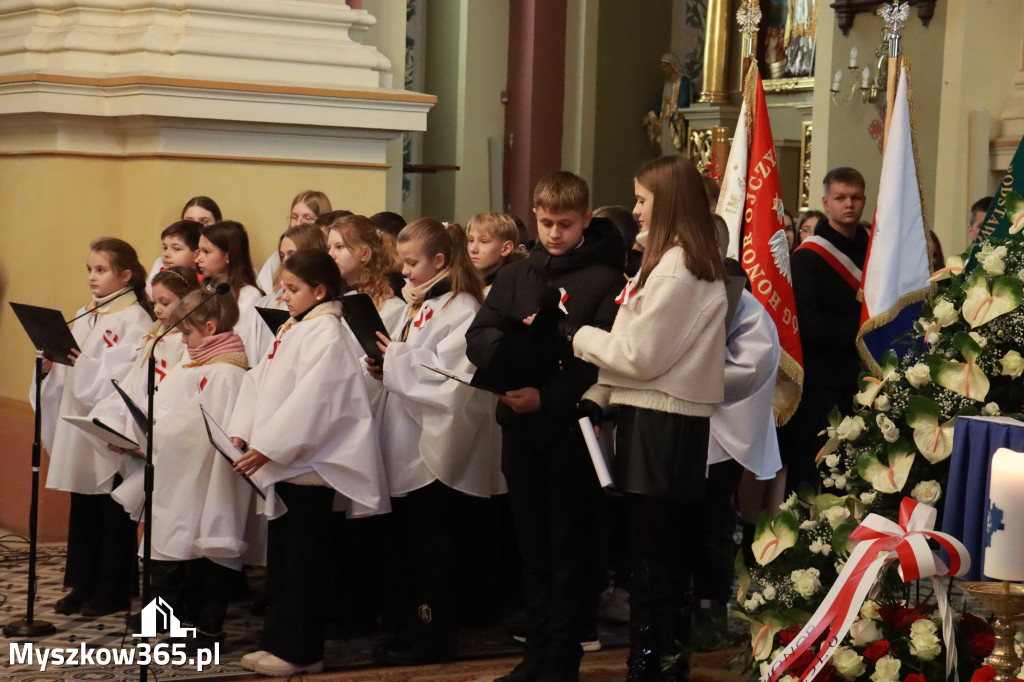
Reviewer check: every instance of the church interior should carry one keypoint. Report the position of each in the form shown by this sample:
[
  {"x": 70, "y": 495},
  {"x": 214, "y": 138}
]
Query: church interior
[{"x": 112, "y": 114}]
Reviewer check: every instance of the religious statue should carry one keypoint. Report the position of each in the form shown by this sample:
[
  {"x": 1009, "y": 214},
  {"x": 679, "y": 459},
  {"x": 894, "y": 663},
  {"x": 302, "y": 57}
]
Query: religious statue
[
  {"x": 801, "y": 23},
  {"x": 665, "y": 125}
]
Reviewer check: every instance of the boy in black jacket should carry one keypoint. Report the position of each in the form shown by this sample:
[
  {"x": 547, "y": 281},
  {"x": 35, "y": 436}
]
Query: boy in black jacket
[{"x": 570, "y": 279}]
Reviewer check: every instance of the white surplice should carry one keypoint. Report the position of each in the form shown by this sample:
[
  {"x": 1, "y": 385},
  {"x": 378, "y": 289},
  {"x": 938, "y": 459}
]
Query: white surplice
[
  {"x": 248, "y": 298},
  {"x": 431, "y": 427},
  {"x": 743, "y": 425},
  {"x": 305, "y": 407},
  {"x": 109, "y": 338},
  {"x": 260, "y": 337}
]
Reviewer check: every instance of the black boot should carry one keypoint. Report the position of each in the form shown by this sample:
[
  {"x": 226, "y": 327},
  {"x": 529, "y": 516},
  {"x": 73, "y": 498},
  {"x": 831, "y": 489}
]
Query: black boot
[
  {"x": 562, "y": 663},
  {"x": 643, "y": 664},
  {"x": 166, "y": 581},
  {"x": 672, "y": 598}
]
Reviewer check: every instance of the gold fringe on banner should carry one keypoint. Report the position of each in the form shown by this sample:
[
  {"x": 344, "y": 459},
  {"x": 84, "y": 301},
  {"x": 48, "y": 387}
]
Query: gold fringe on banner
[{"x": 788, "y": 388}]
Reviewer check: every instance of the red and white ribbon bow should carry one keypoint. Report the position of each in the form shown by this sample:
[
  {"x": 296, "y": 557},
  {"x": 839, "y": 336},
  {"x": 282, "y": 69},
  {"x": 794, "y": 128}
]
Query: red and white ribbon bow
[
  {"x": 426, "y": 312},
  {"x": 627, "y": 292},
  {"x": 110, "y": 338},
  {"x": 563, "y": 296},
  {"x": 879, "y": 541}
]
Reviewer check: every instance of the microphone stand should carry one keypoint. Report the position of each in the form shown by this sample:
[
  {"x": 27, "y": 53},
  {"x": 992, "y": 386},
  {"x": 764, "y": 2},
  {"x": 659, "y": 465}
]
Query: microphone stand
[
  {"x": 147, "y": 533},
  {"x": 29, "y": 626}
]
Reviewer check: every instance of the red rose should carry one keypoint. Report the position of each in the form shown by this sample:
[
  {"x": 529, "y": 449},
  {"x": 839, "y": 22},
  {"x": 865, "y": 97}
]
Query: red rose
[
  {"x": 985, "y": 673},
  {"x": 914, "y": 677},
  {"x": 900, "y": 617},
  {"x": 877, "y": 650},
  {"x": 982, "y": 643},
  {"x": 828, "y": 674},
  {"x": 971, "y": 624},
  {"x": 788, "y": 634}
]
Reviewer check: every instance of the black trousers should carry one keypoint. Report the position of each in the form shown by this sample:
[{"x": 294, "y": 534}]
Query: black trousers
[
  {"x": 713, "y": 574},
  {"x": 553, "y": 492},
  {"x": 799, "y": 441},
  {"x": 101, "y": 549},
  {"x": 427, "y": 521},
  {"x": 298, "y": 574}
]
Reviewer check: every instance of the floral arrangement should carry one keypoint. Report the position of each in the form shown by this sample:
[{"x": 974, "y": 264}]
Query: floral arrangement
[{"x": 962, "y": 360}]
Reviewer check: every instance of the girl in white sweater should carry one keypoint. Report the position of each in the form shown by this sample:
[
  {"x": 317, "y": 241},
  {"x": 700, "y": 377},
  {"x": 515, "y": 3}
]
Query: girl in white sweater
[{"x": 662, "y": 365}]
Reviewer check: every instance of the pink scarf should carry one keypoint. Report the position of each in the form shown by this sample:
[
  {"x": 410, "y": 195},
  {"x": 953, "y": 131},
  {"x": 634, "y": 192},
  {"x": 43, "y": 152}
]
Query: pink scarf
[{"x": 218, "y": 344}]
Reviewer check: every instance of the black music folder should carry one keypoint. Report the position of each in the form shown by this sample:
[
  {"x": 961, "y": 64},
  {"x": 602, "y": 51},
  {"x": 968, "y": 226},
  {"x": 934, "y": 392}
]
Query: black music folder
[
  {"x": 47, "y": 330},
  {"x": 363, "y": 319}
]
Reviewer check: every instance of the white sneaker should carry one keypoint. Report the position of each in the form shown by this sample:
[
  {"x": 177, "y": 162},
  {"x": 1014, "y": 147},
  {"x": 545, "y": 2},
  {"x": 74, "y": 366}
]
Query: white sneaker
[
  {"x": 278, "y": 667},
  {"x": 249, "y": 661}
]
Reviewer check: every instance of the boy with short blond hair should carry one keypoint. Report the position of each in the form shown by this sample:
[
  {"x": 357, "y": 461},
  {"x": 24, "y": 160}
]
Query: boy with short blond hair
[
  {"x": 570, "y": 278},
  {"x": 492, "y": 240}
]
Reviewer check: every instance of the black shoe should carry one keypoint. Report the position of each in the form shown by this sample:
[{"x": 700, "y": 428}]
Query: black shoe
[
  {"x": 97, "y": 608},
  {"x": 72, "y": 601},
  {"x": 529, "y": 670},
  {"x": 406, "y": 655}
]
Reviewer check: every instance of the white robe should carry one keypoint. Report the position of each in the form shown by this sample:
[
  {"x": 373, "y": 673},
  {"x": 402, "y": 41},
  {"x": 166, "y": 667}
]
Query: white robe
[
  {"x": 266, "y": 277},
  {"x": 110, "y": 340},
  {"x": 307, "y": 410},
  {"x": 434, "y": 428},
  {"x": 112, "y": 410},
  {"x": 392, "y": 314},
  {"x": 743, "y": 425},
  {"x": 248, "y": 297},
  {"x": 260, "y": 336}
]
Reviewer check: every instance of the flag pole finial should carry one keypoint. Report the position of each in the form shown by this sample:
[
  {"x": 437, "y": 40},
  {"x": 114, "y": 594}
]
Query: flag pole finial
[
  {"x": 895, "y": 15},
  {"x": 748, "y": 16}
]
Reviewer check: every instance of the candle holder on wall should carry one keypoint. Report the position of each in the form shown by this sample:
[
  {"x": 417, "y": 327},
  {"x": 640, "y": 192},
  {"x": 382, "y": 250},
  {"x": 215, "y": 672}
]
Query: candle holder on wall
[
  {"x": 1006, "y": 601},
  {"x": 870, "y": 88}
]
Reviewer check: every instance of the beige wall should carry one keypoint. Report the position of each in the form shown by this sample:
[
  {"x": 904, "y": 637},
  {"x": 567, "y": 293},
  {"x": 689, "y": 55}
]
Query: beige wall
[
  {"x": 54, "y": 206},
  {"x": 467, "y": 64},
  {"x": 982, "y": 49},
  {"x": 629, "y": 82}
]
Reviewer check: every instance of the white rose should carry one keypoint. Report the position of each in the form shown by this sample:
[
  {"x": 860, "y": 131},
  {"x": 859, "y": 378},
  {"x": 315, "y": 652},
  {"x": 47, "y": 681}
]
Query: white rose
[
  {"x": 805, "y": 582},
  {"x": 836, "y": 515},
  {"x": 819, "y": 547},
  {"x": 925, "y": 646},
  {"x": 932, "y": 338},
  {"x": 850, "y": 428},
  {"x": 882, "y": 403},
  {"x": 978, "y": 339},
  {"x": 848, "y": 663},
  {"x": 993, "y": 261},
  {"x": 1013, "y": 364},
  {"x": 890, "y": 431},
  {"x": 831, "y": 461},
  {"x": 919, "y": 375},
  {"x": 991, "y": 409},
  {"x": 945, "y": 313},
  {"x": 765, "y": 668},
  {"x": 868, "y": 498},
  {"x": 840, "y": 481},
  {"x": 869, "y": 609},
  {"x": 927, "y": 492},
  {"x": 768, "y": 592},
  {"x": 887, "y": 669},
  {"x": 923, "y": 626},
  {"x": 864, "y": 632},
  {"x": 828, "y": 482}
]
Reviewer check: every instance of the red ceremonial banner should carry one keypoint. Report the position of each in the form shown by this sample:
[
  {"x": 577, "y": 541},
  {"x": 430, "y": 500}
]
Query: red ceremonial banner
[{"x": 765, "y": 250}]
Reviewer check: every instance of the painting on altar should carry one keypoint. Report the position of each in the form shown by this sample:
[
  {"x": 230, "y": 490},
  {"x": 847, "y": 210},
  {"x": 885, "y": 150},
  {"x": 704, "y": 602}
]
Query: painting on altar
[{"x": 786, "y": 38}]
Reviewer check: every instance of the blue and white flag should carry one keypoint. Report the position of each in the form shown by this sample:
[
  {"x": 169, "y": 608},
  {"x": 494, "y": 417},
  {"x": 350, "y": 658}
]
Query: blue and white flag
[{"x": 896, "y": 271}]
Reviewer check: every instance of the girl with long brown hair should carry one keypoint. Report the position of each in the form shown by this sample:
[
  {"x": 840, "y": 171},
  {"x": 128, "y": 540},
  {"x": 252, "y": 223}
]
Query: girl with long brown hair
[
  {"x": 662, "y": 365},
  {"x": 366, "y": 257}
]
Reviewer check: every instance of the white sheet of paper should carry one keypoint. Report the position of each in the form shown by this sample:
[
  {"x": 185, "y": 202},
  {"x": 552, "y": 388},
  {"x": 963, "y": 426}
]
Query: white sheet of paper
[
  {"x": 596, "y": 454},
  {"x": 104, "y": 432}
]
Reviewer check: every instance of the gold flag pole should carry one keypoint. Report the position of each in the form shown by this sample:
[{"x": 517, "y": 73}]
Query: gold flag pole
[
  {"x": 748, "y": 16},
  {"x": 895, "y": 16}
]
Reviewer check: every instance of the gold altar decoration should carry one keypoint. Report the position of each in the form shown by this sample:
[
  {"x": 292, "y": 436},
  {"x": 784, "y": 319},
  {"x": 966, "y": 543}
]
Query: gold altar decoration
[
  {"x": 1006, "y": 601},
  {"x": 716, "y": 53}
]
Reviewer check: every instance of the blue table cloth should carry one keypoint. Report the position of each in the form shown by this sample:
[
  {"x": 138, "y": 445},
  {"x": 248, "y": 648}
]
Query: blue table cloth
[{"x": 975, "y": 440}]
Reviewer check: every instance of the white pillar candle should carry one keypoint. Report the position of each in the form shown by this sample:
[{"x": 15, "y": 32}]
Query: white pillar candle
[{"x": 1004, "y": 532}]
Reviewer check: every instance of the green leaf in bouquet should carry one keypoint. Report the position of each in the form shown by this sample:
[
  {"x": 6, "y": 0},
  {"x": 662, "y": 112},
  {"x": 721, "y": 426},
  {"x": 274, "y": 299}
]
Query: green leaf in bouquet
[
  {"x": 933, "y": 440},
  {"x": 742, "y": 576},
  {"x": 827, "y": 501},
  {"x": 1014, "y": 211},
  {"x": 774, "y": 536},
  {"x": 983, "y": 305},
  {"x": 870, "y": 385},
  {"x": 762, "y": 632},
  {"x": 806, "y": 492},
  {"x": 965, "y": 378},
  {"x": 835, "y": 418},
  {"x": 841, "y": 538},
  {"x": 890, "y": 477}
]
